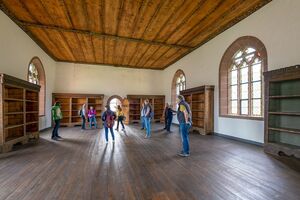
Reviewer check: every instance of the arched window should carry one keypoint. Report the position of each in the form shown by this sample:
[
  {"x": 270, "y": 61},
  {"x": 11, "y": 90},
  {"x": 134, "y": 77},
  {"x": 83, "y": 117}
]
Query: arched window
[
  {"x": 178, "y": 84},
  {"x": 36, "y": 75},
  {"x": 241, "y": 75}
]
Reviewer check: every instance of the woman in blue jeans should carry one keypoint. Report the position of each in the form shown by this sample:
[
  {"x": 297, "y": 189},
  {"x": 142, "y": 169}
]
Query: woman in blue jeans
[
  {"x": 108, "y": 118},
  {"x": 147, "y": 117},
  {"x": 185, "y": 122}
]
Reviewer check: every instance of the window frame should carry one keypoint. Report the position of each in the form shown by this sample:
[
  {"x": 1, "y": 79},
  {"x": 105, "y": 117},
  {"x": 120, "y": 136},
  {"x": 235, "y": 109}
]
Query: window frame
[
  {"x": 177, "y": 75},
  {"x": 226, "y": 63},
  {"x": 42, "y": 82}
]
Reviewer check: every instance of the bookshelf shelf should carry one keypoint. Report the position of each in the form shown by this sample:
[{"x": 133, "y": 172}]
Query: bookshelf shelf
[
  {"x": 18, "y": 97},
  {"x": 282, "y": 111},
  {"x": 71, "y": 103},
  {"x": 135, "y": 104},
  {"x": 201, "y": 100}
]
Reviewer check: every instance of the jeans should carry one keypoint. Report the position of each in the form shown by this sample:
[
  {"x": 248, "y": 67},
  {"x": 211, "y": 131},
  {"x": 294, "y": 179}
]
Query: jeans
[
  {"x": 184, "y": 131},
  {"x": 120, "y": 120},
  {"x": 83, "y": 122},
  {"x": 111, "y": 132},
  {"x": 93, "y": 119},
  {"x": 169, "y": 122},
  {"x": 55, "y": 129},
  {"x": 143, "y": 122},
  {"x": 147, "y": 122}
]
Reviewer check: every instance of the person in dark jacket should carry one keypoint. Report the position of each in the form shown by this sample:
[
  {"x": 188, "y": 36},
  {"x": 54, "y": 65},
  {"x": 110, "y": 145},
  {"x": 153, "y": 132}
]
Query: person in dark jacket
[
  {"x": 108, "y": 118},
  {"x": 166, "y": 115},
  {"x": 170, "y": 112}
]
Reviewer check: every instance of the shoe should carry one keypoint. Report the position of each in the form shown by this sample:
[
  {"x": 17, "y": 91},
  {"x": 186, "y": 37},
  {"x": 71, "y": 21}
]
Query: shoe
[
  {"x": 116, "y": 130},
  {"x": 142, "y": 128},
  {"x": 106, "y": 142},
  {"x": 184, "y": 154},
  {"x": 55, "y": 138},
  {"x": 59, "y": 137},
  {"x": 113, "y": 141}
]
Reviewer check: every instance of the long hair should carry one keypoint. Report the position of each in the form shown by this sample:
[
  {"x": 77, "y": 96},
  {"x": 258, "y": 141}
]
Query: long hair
[{"x": 119, "y": 108}]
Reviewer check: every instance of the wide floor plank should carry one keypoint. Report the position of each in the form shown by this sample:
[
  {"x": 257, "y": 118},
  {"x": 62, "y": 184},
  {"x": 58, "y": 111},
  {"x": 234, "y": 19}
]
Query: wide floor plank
[{"x": 82, "y": 166}]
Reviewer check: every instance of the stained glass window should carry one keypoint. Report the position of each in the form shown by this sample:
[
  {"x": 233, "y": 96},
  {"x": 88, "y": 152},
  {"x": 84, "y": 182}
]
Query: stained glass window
[
  {"x": 33, "y": 75},
  {"x": 180, "y": 84},
  {"x": 245, "y": 83}
]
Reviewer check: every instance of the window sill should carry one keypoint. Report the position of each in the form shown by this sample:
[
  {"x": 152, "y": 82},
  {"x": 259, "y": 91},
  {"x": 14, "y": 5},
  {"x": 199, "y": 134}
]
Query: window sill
[
  {"x": 242, "y": 117},
  {"x": 42, "y": 115}
]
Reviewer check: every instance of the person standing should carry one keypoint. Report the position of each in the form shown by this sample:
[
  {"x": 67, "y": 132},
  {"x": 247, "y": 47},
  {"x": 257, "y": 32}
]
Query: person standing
[
  {"x": 108, "y": 118},
  {"x": 120, "y": 118},
  {"x": 92, "y": 117},
  {"x": 147, "y": 117},
  {"x": 56, "y": 116},
  {"x": 170, "y": 112},
  {"x": 166, "y": 115},
  {"x": 142, "y": 117},
  {"x": 83, "y": 116},
  {"x": 185, "y": 122}
]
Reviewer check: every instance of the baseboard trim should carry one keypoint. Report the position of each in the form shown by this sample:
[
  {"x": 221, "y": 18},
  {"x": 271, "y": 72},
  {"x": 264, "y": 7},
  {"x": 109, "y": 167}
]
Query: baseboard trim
[
  {"x": 239, "y": 139},
  {"x": 45, "y": 129}
]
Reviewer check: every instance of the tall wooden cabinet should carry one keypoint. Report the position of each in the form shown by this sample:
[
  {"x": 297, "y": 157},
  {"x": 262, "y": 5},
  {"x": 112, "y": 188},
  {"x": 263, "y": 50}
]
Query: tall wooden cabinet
[
  {"x": 282, "y": 111},
  {"x": 19, "y": 111},
  {"x": 71, "y": 104},
  {"x": 135, "y": 105},
  {"x": 201, "y": 100}
]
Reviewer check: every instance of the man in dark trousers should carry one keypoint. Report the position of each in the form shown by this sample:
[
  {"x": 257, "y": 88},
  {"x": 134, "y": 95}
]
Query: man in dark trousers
[
  {"x": 170, "y": 112},
  {"x": 166, "y": 115},
  {"x": 56, "y": 116}
]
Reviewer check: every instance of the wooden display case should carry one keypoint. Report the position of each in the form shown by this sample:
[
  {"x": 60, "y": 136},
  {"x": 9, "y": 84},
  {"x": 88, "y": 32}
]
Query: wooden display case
[
  {"x": 282, "y": 111},
  {"x": 201, "y": 101},
  {"x": 135, "y": 104},
  {"x": 71, "y": 104},
  {"x": 19, "y": 112}
]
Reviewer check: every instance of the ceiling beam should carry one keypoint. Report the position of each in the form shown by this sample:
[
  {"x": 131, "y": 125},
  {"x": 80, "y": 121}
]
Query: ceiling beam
[{"x": 96, "y": 34}]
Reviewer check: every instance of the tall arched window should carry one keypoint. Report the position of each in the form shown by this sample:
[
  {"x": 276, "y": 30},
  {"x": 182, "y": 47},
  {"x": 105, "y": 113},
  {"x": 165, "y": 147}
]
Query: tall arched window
[
  {"x": 36, "y": 75},
  {"x": 178, "y": 84},
  {"x": 241, "y": 75}
]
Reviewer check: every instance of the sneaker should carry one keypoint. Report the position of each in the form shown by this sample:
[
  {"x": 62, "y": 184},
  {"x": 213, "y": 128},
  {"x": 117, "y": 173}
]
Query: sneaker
[
  {"x": 184, "y": 154},
  {"x": 59, "y": 137},
  {"x": 54, "y": 138}
]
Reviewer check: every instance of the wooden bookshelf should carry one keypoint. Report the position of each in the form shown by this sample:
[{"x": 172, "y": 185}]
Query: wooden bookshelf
[
  {"x": 135, "y": 104},
  {"x": 71, "y": 104},
  {"x": 282, "y": 111},
  {"x": 19, "y": 112},
  {"x": 201, "y": 101}
]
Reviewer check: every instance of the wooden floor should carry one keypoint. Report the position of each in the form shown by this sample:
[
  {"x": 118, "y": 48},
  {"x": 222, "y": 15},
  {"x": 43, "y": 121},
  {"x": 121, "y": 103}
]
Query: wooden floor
[{"x": 84, "y": 167}]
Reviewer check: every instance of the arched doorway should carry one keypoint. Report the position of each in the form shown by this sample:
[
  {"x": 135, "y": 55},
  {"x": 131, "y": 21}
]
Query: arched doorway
[{"x": 114, "y": 101}]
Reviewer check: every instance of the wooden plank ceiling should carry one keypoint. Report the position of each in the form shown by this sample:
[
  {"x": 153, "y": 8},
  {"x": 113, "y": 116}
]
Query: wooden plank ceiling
[{"x": 150, "y": 34}]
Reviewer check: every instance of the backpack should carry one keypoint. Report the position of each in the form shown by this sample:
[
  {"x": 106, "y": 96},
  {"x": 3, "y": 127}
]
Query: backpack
[{"x": 109, "y": 120}]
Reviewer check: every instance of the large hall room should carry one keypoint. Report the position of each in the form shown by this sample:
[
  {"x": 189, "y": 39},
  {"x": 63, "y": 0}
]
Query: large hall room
[{"x": 149, "y": 99}]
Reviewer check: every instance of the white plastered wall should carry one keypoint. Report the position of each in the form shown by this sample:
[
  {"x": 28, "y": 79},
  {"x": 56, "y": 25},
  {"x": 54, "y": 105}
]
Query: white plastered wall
[
  {"x": 16, "y": 51},
  {"x": 277, "y": 25},
  {"x": 107, "y": 80}
]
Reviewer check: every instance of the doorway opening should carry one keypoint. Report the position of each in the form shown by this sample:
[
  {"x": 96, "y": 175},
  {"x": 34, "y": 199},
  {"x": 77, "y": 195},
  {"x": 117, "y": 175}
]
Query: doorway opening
[{"x": 114, "y": 101}]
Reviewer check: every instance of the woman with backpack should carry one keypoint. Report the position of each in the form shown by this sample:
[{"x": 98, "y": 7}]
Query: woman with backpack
[
  {"x": 108, "y": 118},
  {"x": 120, "y": 118},
  {"x": 92, "y": 117}
]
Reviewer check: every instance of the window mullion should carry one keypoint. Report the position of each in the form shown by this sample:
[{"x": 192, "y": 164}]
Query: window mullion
[
  {"x": 250, "y": 90},
  {"x": 239, "y": 92}
]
